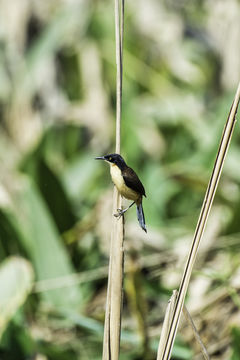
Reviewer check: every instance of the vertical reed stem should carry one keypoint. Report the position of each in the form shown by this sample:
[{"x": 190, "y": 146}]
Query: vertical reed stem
[{"x": 112, "y": 328}]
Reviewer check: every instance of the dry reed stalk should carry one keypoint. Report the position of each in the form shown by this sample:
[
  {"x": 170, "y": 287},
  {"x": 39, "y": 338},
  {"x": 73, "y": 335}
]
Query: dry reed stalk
[
  {"x": 207, "y": 203},
  {"x": 112, "y": 327}
]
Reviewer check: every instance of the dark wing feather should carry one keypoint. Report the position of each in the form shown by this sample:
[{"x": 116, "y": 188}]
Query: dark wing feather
[{"x": 132, "y": 181}]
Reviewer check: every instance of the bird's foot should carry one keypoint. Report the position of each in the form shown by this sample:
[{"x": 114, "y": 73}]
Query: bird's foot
[{"x": 119, "y": 213}]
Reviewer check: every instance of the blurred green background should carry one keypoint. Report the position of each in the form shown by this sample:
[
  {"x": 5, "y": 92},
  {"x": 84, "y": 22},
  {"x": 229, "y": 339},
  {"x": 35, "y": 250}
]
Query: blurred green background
[{"x": 57, "y": 112}]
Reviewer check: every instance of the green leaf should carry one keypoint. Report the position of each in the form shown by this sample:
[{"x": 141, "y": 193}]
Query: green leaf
[
  {"x": 43, "y": 244},
  {"x": 55, "y": 197}
]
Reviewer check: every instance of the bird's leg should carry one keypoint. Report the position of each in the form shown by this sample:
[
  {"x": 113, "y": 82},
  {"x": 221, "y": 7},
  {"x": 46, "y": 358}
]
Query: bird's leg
[{"x": 121, "y": 212}]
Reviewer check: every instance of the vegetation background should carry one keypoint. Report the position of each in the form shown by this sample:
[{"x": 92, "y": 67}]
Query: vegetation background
[{"x": 57, "y": 110}]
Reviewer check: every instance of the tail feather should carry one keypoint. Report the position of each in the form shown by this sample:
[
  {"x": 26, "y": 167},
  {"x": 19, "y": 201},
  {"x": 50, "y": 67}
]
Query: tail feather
[{"x": 141, "y": 218}]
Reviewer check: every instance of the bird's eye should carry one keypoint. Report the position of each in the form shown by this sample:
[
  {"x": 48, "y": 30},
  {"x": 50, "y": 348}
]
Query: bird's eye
[{"x": 110, "y": 158}]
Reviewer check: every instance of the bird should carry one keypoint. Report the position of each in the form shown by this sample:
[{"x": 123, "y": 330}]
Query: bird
[{"x": 128, "y": 184}]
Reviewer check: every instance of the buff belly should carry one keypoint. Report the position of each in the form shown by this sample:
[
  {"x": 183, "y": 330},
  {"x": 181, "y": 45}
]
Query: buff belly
[{"x": 120, "y": 184}]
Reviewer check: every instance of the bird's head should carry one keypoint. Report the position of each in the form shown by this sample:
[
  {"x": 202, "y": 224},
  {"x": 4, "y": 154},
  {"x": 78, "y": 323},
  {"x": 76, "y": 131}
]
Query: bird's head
[{"x": 115, "y": 159}]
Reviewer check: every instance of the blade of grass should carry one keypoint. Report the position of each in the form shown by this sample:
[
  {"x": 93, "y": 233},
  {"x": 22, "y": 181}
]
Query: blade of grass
[
  {"x": 207, "y": 203},
  {"x": 195, "y": 333},
  {"x": 42, "y": 242}
]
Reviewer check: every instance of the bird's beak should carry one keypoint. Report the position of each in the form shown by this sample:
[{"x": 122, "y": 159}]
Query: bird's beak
[{"x": 100, "y": 158}]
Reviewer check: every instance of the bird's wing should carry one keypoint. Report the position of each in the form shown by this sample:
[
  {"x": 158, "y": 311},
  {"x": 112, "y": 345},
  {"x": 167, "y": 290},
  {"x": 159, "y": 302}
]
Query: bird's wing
[{"x": 132, "y": 181}]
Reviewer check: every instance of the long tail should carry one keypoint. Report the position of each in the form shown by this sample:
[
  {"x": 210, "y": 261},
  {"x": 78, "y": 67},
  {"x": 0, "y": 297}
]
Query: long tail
[{"x": 141, "y": 218}]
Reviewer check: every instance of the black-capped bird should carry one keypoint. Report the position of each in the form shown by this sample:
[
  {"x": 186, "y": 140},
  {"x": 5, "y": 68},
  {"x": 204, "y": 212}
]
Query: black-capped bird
[{"x": 127, "y": 183}]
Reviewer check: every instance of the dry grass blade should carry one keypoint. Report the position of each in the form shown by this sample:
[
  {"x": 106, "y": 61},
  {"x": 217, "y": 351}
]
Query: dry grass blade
[
  {"x": 112, "y": 328},
  {"x": 207, "y": 203},
  {"x": 195, "y": 333},
  {"x": 166, "y": 323}
]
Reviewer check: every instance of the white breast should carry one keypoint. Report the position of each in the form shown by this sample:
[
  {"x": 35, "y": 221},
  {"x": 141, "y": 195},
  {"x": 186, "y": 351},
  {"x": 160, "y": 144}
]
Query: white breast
[{"x": 118, "y": 180}]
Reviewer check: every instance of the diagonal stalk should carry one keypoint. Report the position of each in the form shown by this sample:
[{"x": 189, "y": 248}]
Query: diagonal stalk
[{"x": 206, "y": 207}]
